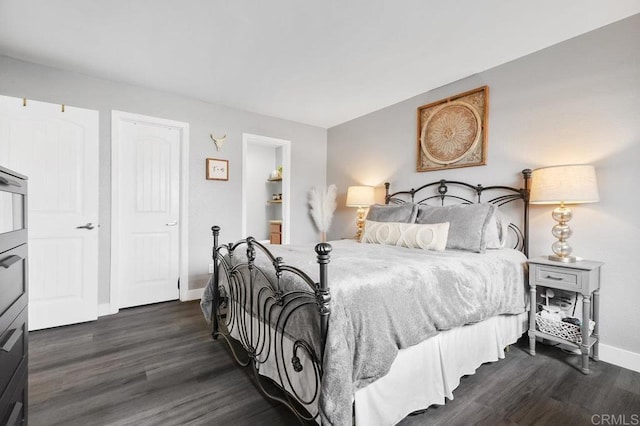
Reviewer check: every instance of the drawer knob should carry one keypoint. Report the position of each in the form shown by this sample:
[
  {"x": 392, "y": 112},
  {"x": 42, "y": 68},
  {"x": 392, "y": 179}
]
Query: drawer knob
[
  {"x": 8, "y": 261},
  {"x": 11, "y": 341},
  {"x": 551, "y": 277},
  {"x": 15, "y": 412}
]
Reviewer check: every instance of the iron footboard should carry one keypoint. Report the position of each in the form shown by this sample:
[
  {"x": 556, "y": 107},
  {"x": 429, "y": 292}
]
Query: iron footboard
[{"x": 268, "y": 322}]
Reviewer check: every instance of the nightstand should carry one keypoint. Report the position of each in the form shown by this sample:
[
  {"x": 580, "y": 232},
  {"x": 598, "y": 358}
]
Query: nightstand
[{"x": 582, "y": 277}]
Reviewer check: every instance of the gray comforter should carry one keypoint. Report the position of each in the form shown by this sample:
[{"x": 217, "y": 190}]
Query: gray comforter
[{"x": 387, "y": 298}]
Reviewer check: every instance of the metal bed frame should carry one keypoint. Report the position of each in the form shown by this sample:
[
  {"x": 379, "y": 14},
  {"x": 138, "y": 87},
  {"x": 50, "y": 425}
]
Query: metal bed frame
[{"x": 258, "y": 312}]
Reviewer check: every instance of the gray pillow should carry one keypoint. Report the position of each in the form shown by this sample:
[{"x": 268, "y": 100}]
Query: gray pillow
[
  {"x": 405, "y": 213},
  {"x": 468, "y": 223}
]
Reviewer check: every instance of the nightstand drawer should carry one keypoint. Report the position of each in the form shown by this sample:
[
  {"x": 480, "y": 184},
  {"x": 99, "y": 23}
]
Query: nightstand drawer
[{"x": 554, "y": 276}]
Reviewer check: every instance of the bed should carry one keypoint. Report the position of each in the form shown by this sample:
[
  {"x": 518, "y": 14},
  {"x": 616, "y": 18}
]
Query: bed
[{"x": 388, "y": 328}]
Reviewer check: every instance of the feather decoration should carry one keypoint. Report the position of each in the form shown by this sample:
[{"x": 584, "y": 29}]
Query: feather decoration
[{"x": 323, "y": 204}]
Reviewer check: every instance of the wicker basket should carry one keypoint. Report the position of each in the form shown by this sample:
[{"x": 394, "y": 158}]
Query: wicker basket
[{"x": 564, "y": 330}]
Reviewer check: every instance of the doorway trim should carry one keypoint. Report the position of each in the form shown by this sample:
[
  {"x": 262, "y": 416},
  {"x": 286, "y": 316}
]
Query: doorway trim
[
  {"x": 183, "y": 221},
  {"x": 248, "y": 139}
]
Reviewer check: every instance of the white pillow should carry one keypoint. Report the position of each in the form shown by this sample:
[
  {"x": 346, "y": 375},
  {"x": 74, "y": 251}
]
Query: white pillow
[
  {"x": 431, "y": 236},
  {"x": 497, "y": 230}
]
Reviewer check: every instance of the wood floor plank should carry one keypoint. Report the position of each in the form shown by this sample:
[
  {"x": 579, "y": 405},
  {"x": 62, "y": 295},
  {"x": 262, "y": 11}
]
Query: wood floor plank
[{"x": 157, "y": 365}]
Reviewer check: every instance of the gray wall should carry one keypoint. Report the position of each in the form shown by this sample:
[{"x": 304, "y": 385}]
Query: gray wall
[
  {"x": 576, "y": 102},
  {"x": 211, "y": 202}
]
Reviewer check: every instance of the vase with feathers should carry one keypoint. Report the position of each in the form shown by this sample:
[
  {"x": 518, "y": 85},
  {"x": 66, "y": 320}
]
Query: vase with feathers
[{"x": 322, "y": 202}]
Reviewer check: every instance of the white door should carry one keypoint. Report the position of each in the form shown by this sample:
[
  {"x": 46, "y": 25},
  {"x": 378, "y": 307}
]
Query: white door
[
  {"x": 58, "y": 152},
  {"x": 147, "y": 196}
]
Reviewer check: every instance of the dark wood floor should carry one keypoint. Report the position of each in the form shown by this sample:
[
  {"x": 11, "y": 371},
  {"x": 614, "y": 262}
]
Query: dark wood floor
[{"x": 157, "y": 365}]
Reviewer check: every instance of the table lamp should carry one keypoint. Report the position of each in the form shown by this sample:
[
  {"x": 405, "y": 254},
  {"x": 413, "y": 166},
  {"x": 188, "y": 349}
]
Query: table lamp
[
  {"x": 360, "y": 197},
  {"x": 570, "y": 184}
]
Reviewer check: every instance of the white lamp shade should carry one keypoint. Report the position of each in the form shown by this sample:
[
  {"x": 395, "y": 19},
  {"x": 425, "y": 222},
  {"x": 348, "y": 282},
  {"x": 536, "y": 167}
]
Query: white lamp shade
[
  {"x": 571, "y": 184},
  {"x": 360, "y": 196}
]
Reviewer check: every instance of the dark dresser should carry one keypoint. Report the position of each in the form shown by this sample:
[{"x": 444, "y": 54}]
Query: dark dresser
[{"x": 13, "y": 298}]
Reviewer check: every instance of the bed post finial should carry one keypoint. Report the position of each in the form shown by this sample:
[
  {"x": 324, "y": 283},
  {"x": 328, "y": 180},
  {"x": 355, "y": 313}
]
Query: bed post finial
[
  {"x": 323, "y": 295},
  {"x": 215, "y": 230},
  {"x": 216, "y": 292},
  {"x": 387, "y": 198}
]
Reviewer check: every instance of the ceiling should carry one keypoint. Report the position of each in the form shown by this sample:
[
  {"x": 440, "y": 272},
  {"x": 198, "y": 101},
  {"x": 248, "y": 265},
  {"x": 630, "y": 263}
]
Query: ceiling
[{"x": 319, "y": 62}]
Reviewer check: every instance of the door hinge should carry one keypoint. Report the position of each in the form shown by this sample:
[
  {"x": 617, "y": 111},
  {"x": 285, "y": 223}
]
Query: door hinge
[{"x": 178, "y": 283}]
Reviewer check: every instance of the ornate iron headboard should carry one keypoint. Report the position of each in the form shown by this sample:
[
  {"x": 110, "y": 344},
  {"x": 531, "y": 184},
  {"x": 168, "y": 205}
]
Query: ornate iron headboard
[{"x": 447, "y": 192}]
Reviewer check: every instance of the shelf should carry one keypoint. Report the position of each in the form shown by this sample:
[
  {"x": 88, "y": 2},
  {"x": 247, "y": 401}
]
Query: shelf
[
  {"x": 278, "y": 179},
  {"x": 274, "y": 201},
  {"x": 590, "y": 343}
]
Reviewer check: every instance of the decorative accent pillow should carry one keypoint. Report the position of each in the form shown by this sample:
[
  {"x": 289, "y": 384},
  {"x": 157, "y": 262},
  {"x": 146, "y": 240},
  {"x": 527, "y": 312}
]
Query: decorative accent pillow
[
  {"x": 405, "y": 213},
  {"x": 468, "y": 223},
  {"x": 411, "y": 235}
]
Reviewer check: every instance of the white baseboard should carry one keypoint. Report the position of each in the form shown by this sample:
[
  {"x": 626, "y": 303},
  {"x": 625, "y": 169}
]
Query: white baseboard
[
  {"x": 105, "y": 309},
  {"x": 620, "y": 357},
  {"x": 193, "y": 294}
]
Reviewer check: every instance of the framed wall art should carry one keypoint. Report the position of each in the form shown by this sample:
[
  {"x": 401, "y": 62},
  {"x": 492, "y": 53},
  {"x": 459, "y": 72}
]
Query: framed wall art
[
  {"x": 452, "y": 132},
  {"x": 217, "y": 169}
]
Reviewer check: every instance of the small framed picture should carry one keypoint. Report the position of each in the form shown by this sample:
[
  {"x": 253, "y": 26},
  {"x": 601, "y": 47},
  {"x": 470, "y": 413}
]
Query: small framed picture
[{"x": 217, "y": 169}]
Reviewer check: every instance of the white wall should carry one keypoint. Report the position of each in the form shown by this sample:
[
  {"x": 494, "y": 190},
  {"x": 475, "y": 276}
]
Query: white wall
[
  {"x": 260, "y": 161},
  {"x": 211, "y": 202},
  {"x": 576, "y": 102}
]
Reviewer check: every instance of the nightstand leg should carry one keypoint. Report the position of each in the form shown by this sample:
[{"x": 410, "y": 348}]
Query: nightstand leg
[
  {"x": 532, "y": 319},
  {"x": 584, "y": 347},
  {"x": 596, "y": 318}
]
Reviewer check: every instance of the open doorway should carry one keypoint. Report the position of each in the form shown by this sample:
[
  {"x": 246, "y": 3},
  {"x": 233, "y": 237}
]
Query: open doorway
[{"x": 266, "y": 201}]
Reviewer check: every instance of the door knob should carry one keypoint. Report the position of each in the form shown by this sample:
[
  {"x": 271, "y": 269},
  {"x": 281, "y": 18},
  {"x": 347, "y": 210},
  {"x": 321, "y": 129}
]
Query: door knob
[
  {"x": 174, "y": 223},
  {"x": 87, "y": 226}
]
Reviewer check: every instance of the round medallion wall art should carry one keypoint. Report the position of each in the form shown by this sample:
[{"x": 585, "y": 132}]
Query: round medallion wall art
[{"x": 452, "y": 132}]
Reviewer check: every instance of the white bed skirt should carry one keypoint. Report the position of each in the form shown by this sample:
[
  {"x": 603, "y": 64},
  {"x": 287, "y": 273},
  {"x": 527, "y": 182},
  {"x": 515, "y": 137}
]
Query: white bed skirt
[
  {"x": 426, "y": 373},
  {"x": 421, "y": 375}
]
